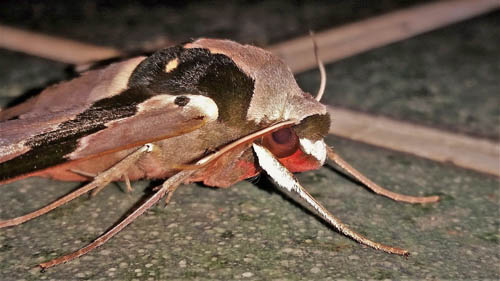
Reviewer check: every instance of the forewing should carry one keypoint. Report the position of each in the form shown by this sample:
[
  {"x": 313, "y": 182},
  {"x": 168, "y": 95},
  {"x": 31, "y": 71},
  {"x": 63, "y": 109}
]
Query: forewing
[
  {"x": 129, "y": 119},
  {"x": 76, "y": 95}
]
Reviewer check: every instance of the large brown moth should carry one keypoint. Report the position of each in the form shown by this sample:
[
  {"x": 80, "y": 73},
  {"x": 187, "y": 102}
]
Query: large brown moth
[{"x": 210, "y": 111}]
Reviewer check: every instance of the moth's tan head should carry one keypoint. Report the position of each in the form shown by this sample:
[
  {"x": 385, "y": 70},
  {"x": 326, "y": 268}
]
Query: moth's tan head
[{"x": 277, "y": 97}]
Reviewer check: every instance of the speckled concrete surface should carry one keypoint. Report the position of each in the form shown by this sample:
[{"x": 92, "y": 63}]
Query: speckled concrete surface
[
  {"x": 249, "y": 231},
  {"x": 23, "y": 75},
  {"x": 447, "y": 79}
]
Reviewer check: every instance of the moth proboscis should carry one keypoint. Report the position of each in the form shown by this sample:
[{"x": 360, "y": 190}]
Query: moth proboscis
[{"x": 211, "y": 111}]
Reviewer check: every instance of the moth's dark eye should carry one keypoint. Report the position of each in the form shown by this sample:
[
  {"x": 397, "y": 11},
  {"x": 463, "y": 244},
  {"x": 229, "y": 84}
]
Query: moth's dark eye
[{"x": 282, "y": 143}]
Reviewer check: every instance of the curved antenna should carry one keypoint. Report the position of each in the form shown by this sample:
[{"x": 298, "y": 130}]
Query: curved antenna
[
  {"x": 321, "y": 67},
  {"x": 375, "y": 187}
]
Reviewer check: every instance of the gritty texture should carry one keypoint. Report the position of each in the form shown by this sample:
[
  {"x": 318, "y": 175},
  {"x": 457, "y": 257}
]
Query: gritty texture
[
  {"x": 139, "y": 24},
  {"x": 249, "y": 231},
  {"x": 24, "y": 76},
  {"x": 446, "y": 79}
]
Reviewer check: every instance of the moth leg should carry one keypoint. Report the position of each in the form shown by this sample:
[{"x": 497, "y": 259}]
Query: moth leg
[
  {"x": 169, "y": 194},
  {"x": 127, "y": 183},
  {"x": 286, "y": 180},
  {"x": 83, "y": 173},
  {"x": 167, "y": 188},
  {"x": 92, "y": 175},
  {"x": 375, "y": 187},
  {"x": 101, "y": 187},
  {"x": 101, "y": 180}
]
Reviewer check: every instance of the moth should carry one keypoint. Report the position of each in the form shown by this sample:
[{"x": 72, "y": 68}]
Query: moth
[{"x": 211, "y": 111}]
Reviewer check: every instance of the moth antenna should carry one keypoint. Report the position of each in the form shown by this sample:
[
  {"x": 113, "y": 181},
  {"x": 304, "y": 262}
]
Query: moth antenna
[
  {"x": 286, "y": 180},
  {"x": 101, "y": 180},
  {"x": 375, "y": 187},
  {"x": 321, "y": 67}
]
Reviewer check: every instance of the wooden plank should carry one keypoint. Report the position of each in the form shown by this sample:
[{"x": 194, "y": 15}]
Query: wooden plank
[
  {"x": 51, "y": 47},
  {"x": 334, "y": 44},
  {"x": 481, "y": 155},
  {"x": 348, "y": 40}
]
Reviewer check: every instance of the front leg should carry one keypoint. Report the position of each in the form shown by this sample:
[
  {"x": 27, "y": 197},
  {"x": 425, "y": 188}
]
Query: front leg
[{"x": 100, "y": 181}]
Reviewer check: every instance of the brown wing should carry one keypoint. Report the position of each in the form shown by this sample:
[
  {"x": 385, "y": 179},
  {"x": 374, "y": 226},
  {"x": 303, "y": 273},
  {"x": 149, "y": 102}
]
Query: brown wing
[{"x": 132, "y": 118}]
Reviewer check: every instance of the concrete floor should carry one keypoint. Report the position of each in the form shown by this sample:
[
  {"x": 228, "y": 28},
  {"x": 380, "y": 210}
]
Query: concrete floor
[{"x": 446, "y": 79}]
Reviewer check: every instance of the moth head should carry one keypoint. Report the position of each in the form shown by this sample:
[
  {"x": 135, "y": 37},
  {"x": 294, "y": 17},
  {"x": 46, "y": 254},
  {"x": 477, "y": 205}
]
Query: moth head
[
  {"x": 300, "y": 147},
  {"x": 259, "y": 92}
]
